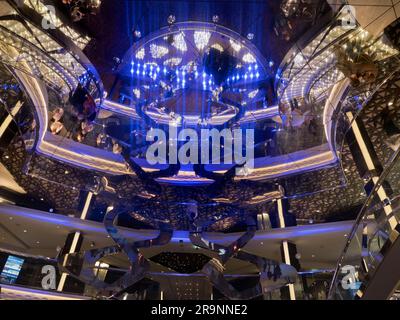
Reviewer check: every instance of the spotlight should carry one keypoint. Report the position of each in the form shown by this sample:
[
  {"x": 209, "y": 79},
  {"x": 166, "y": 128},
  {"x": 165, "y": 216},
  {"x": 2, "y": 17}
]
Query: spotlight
[
  {"x": 215, "y": 18},
  {"x": 250, "y": 36},
  {"x": 137, "y": 34},
  {"x": 171, "y": 19}
]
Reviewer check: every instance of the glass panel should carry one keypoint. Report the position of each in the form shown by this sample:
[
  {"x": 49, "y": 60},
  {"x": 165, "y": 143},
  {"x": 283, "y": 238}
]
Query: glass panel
[{"x": 375, "y": 225}]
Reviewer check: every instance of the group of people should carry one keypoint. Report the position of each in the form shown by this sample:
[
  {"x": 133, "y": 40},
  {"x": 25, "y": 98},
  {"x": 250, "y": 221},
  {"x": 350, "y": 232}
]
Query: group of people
[
  {"x": 84, "y": 110},
  {"x": 81, "y": 8},
  {"x": 283, "y": 27},
  {"x": 296, "y": 115},
  {"x": 290, "y": 11},
  {"x": 297, "y": 8},
  {"x": 57, "y": 125},
  {"x": 359, "y": 71},
  {"x": 105, "y": 142},
  {"x": 82, "y": 114},
  {"x": 83, "y": 128}
]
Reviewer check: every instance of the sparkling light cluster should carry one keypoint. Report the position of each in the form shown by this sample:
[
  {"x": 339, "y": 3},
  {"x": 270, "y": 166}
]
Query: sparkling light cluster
[
  {"x": 201, "y": 39},
  {"x": 146, "y": 69},
  {"x": 235, "y": 45},
  {"x": 252, "y": 73},
  {"x": 249, "y": 58},
  {"x": 179, "y": 42},
  {"x": 158, "y": 51},
  {"x": 173, "y": 61},
  {"x": 140, "y": 54}
]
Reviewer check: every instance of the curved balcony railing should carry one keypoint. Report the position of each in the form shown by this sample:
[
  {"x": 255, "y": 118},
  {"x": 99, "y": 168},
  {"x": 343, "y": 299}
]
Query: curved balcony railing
[
  {"x": 372, "y": 236},
  {"x": 377, "y": 220},
  {"x": 310, "y": 75},
  {"x": 47, "y": 55}
]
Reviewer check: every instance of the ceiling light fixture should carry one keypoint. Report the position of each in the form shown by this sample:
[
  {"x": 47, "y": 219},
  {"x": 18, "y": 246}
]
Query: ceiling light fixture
[
  {"x": 179, "y": 42},
  {"x": 201, "y": 39},
  {"x": 158, "y": 51},
  {"x": 235, "y": 45},
  {"x": 249, "y": 58}
]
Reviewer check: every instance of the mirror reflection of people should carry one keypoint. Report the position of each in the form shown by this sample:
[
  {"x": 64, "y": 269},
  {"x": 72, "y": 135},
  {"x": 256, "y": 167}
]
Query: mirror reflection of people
[
  {"x": 56, "y": 127},
  {"x": 58, "y": 114},
  {"x": 361, "y": 71},
  {"x": 117, "y": 149},
  {"x": 85, "y": 128},
  {"x": 79, "y": 9}
]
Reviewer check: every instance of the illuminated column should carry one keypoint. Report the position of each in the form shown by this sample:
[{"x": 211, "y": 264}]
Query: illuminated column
[
  {"x": 367, "y": 162},
  {"x": 74, "y": 240},
  {"x": 263, "y": 221},
  {"x": 288, "y": 249},
  {"x": 72, "y": 244},
  {"x": 370, "y": 169},
  {"x": 88, "y": 200}
]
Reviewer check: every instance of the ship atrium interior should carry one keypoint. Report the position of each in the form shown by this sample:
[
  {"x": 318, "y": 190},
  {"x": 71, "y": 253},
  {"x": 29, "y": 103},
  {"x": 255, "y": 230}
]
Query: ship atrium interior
[{"x": 199, "y": 150}]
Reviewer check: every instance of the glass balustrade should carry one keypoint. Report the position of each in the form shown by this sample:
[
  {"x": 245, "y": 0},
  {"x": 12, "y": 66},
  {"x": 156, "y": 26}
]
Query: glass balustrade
[{"x": 371, "y": 236}]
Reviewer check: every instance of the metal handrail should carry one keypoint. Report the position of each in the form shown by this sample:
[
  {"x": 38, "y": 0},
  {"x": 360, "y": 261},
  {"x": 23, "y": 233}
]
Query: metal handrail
[{"x": 393, "y": 160}]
